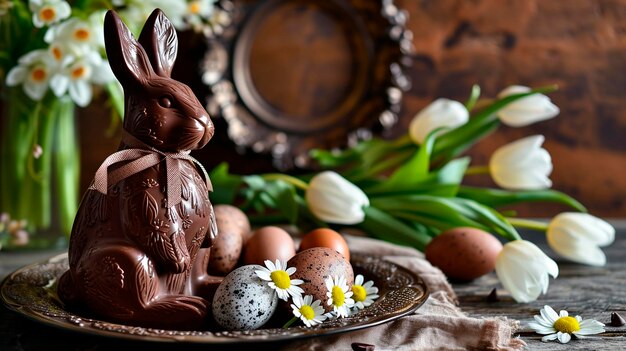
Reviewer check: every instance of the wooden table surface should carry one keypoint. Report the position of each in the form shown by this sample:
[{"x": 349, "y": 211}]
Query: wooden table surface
[{"x": 592, "y": 292}]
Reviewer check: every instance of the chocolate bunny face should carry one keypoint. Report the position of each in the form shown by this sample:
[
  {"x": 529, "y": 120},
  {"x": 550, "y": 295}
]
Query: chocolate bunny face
[{"x": 159, "y": 111}]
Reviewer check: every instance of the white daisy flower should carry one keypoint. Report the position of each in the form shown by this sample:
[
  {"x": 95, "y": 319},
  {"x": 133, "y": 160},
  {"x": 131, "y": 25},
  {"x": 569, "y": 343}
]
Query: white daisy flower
[
  {"x": 278, "y": 277},
  {"x": 363, "y": 294},
  {"x": 34, "y": 71},
  {"x": 311, "y": 313},
  {"x": 339, "y": 296},
  {"x": 562, "y": 326},
  {"x": 48, "y": 12}
]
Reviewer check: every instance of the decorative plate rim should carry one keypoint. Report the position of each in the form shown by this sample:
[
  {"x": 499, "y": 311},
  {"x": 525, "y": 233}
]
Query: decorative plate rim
[{"x": 27, "y": 292}]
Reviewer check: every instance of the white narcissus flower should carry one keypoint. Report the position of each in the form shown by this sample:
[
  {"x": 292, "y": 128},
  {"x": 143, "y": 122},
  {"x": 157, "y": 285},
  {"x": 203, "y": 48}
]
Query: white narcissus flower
[
  {"x": 33, "y": 71},
  {"x": 440, "y": 113},
  {"x": 76, "y": 78},
  {"x": 579, "y": 236},
  {"x": 523, "y": 270},
  {"x": 198, "y": 11},
  {"x": 48, "y": 12},
  {"x": 81, "y": 35},
  {"x": 562, "y": 326},
  {"x": 522, "y": 165},
  {"x": 527, "y": 110},
  {"x": 333, "y": 199}
]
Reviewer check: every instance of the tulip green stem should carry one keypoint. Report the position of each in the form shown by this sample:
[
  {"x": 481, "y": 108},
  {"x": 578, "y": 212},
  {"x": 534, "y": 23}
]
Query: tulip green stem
[
  {"x": 288, "y": 179},
  {"x": 291, "y": 321},
  {"x": 528, "y": 224},
  {"x": 474, "y": 170}
]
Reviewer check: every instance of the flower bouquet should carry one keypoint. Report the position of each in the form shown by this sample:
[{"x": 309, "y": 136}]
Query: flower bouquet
[
  {"x": 410, "y": 190},
  {"x": 51, "y": 58}
]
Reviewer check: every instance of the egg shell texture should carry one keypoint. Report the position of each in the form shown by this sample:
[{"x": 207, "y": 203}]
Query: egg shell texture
[
  {"x": 314, "y": 266},
  {"x": 464, "y": 253},
  {"x": 325, "y": 237},
  {"x": 230, "y": 219},
  {"x": 269, "y": 243},
  {"x": 243, "y": 301},
  {"x": 225, "y": 252}
]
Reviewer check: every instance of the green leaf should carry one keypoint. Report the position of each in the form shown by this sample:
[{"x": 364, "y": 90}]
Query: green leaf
[
  {"x": 412, "y": 172},
  {"x": 473, "y": 98},
  {"x": 458, "y": 211},
  {"x": 284, "y": 196},
  {"x": 444, "y": 182},
  {"x": 498, "y": 197},
  {"x": 452, "y": 173},
  {"x": 381, "y": 225},
  {"x": 116, "y": 98},
  {"x": 225, "y": 185}
]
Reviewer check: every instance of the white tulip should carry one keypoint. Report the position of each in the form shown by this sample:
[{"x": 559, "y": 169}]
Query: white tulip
[
  {"x": 522, "y": 164},
  {"x": 333, "y": 199},
  {"x": 579, "y": 236},
  {"x": 527, "y": 110},
  {"x": 523, "y": 270},
  {"x": 440, "y": 113}
]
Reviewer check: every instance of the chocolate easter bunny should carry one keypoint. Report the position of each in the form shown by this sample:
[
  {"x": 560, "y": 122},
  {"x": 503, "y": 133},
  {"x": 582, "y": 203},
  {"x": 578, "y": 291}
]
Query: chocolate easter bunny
[{"x": 142, "y": 222}]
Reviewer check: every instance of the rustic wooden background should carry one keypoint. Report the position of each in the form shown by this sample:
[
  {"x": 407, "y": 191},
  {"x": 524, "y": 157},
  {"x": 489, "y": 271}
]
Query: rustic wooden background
[{"x": 578, "y": 44}]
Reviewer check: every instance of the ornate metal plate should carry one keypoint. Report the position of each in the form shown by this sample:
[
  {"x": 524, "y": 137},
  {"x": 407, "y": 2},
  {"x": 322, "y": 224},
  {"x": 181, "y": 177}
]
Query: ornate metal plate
[
  {"x": 288, "y": 76},
  {"x": 29, "y": 291}
]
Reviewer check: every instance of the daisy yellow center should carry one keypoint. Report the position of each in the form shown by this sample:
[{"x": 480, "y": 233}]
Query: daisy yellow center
[
  {"x": 47, "y": 14},
  {"x": 281, "y": 279},
  {"x": 38, "y": 74},
  {"x": 194, "y": 7},
  {"x": 567, "y": 325},
  {"x": 338, "y": 296},
  {"x": 359, "y": 293},
  {"x": 307, "y": 312},
  {"x": 81, "y": 34}
]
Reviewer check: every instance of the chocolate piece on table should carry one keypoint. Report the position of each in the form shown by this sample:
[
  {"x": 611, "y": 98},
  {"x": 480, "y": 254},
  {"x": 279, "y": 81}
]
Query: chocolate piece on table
[
  {"x": 359, "y": 346},
  {"x": 493, "y": 296},
  {"x": 617, "y": 320}
]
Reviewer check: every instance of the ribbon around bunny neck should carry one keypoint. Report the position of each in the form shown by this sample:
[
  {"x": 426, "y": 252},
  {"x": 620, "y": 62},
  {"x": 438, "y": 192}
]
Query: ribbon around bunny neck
[{"x": 142, "y": 156}]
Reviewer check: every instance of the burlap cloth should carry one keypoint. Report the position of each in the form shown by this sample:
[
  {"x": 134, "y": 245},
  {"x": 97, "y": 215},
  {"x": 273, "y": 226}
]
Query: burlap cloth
[{"x": 437, "y": 325}]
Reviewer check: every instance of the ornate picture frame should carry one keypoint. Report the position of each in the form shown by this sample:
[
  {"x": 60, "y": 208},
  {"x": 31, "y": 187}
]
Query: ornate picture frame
[{"x": 380, "y": 49}]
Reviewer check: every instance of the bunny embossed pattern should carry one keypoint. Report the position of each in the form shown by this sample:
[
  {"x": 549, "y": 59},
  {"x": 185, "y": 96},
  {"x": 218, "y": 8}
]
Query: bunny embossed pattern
[{"x": 141, "y": 224}]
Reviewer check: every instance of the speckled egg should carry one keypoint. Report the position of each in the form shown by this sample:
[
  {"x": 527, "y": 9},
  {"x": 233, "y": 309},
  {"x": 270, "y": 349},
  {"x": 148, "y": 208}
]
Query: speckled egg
[
  {"x": 230, "y": 219},
  {"x": 314, "y": 266},
  {"x": 243, "y": 301},
  {"x": 464, "y": 253},
  {"x": 225, "y": 252}
]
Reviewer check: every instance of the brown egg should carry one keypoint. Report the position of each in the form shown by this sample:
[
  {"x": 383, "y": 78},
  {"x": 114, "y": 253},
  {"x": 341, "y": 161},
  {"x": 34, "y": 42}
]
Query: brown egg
[
  {"x": 324, "y": 237},
  {"x": 464, "y": 253},
  {"x": 225, "y": 252},
  {"x": 269, "y": 243},
  {"x": 230, "y": 219},
  {"x": 314, "y": 266}
]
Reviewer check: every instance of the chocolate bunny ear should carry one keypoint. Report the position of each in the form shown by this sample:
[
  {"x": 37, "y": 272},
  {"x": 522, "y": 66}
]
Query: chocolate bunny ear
[
  {"x": 127, "y": 58},
  {"x": 158, "y": 38}
]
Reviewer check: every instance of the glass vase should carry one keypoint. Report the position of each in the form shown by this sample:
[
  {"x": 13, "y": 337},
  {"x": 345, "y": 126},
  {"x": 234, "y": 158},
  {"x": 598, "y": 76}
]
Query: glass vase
[{"x": 39, "y": 171}]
